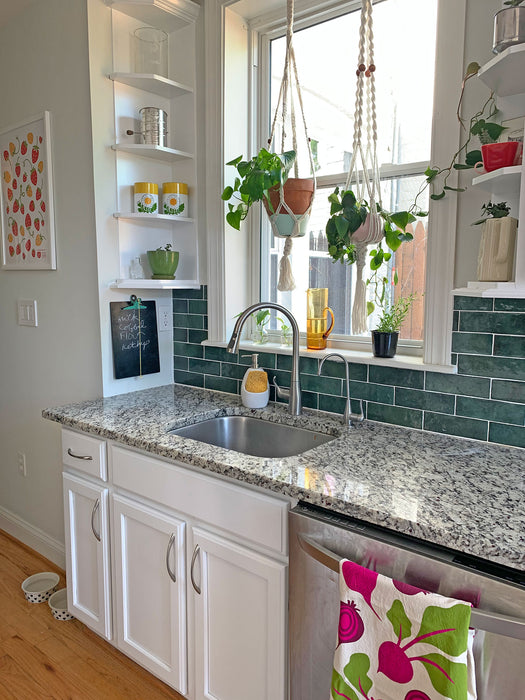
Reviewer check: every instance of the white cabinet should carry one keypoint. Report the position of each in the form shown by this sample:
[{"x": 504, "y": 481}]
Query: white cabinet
[
  {"x": 150, "y": 589},
  {"x": 87, "y": 553},
  {"x": 139, "y": 162},
  {"x": 240, "y": 621},
  {"x": 197, "y": 586}
]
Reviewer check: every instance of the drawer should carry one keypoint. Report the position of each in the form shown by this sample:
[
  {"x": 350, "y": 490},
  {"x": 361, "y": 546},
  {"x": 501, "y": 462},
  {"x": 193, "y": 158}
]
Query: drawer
[
  {"x": 250, "y": 516},
  {"x": 85, "y": 453}
]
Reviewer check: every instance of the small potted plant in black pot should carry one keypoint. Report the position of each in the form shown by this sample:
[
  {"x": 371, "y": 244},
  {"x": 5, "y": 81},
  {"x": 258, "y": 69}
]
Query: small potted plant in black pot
[{"x": 385, "y": 336}]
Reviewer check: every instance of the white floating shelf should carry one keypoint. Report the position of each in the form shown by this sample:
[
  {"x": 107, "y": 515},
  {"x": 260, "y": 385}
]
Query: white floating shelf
[
  {"x": 155, "y": 284},
  {"x": 147, "y": 151},
  {"x": 504, "y": 182},
  {"x": 499, "y": 290},
  {"x": 504, "y": 74},
  {"x": 166, "y": 14},
  {"x": 150, "y": 82},
  {"x": 153, "y": 218}
]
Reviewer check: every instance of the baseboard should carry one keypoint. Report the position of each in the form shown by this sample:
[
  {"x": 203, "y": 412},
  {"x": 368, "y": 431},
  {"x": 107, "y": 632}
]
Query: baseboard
[{"x": 33, "y": 537}]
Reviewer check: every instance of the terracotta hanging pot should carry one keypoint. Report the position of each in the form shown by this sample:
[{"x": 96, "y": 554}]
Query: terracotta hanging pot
[{"x": 298, "y": 194}]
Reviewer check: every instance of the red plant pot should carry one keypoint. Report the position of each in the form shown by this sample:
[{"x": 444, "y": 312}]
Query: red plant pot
[
  {"x": 298, "y": 193},
  {"x": 500, "y": 155}
]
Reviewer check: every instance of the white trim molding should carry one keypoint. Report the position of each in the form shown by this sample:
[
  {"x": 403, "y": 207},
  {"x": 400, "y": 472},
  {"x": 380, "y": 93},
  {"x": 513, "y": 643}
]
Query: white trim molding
[{"x": 33, "y": 537}]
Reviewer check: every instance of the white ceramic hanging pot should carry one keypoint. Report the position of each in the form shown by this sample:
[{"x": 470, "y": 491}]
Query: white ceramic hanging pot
[{"x": 370, "y": 231}]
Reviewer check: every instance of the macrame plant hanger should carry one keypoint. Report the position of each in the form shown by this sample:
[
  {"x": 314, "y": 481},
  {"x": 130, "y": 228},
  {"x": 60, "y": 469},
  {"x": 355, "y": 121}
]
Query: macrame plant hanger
[
  {"x": 290, "y": 81},
  {"x": 363, "y": 173}
]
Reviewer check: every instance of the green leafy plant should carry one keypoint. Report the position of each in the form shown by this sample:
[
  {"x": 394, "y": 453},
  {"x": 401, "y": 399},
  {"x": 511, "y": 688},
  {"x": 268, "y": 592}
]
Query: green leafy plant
[
  {"x": 480, "y": 126},
  {"x": 256, "y": 177},
  {"x": 393, "y": 315},
  {"x": 492, "y": 211},
  {"x": 513, "y": 3},
  {"x": 347, "y": 214}
]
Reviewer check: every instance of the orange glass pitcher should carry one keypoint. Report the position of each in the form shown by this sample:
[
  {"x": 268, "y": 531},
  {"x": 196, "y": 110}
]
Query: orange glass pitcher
[{"x": 317, "y": 329}]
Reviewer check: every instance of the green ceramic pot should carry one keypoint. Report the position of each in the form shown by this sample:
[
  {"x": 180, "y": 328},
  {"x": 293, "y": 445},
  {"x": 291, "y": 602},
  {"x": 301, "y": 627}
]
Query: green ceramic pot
[{"x": 163, "y": 264}]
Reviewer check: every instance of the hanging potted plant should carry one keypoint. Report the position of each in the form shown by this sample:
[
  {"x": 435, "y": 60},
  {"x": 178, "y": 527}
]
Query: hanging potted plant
[
  {"x": 258, "y": 180},
  {"x": 498, "y": 241},
  {"x": 509, "y": 26},
  {"x": 287, "y": 200}
]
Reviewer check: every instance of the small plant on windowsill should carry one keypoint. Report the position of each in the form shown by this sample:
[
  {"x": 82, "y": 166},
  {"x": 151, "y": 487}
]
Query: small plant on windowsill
[
  {"x": 286, "y": 332},
  {"x": 386, "y": 334}
]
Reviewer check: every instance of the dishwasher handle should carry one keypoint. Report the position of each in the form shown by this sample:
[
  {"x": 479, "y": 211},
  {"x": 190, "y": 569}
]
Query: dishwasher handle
[{"x": 479, "y": 619}]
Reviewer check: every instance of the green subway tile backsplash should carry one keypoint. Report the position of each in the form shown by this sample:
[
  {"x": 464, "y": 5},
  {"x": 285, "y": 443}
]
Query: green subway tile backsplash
[
  {"x": 473, "y": 304},
  {"x": 509, "y": 345},
  {"x": 485, "y": 400}
]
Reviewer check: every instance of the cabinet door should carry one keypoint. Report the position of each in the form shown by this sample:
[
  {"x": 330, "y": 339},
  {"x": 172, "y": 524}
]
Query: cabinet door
[
  {"x": 87, "y": 553},
  {"x": 150, "y": 589},
  {"x": 240, "y": 621}
]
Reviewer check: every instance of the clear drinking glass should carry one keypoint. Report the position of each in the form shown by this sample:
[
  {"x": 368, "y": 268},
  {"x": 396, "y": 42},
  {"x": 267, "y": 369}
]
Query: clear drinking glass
[{"x": 150, "y": 51}]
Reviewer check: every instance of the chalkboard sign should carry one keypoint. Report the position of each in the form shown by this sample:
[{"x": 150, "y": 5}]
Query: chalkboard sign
[{"x": 134, "y": 337}]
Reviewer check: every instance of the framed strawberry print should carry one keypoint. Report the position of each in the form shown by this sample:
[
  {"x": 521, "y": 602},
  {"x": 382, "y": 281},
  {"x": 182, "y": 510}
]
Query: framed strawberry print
[{"x": 26, "y": 196}]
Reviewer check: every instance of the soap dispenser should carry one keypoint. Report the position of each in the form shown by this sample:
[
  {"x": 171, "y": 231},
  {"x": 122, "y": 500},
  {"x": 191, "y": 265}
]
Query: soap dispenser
[{"x": 255, "y": 390}]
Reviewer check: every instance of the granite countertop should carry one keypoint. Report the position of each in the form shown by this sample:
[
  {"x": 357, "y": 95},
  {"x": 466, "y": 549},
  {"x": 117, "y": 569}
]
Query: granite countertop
[{"x": 459, "y": 493}]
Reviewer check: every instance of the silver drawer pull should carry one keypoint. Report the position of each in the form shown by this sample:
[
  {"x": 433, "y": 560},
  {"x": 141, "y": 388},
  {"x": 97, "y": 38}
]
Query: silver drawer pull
[
  {"x": 93, "y": 512},
  {"x": 479, "y": 619},
  {"x": 194, "y": 557},
  {"x": 168, "y": 550},
  {"x": 72, "y": 454}
]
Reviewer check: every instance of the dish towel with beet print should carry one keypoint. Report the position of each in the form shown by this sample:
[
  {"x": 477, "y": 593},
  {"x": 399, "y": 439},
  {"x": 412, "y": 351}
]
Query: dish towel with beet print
[{"x": 398, "y": 642}]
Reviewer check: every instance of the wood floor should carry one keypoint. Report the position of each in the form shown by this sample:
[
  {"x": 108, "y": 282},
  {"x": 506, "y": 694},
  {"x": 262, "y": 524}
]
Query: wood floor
[{"x": 42, "y": 658}]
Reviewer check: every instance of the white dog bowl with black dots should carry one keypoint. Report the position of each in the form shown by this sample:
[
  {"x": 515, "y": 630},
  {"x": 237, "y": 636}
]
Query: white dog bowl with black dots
[
  {"x": 40, "y": 587},
  {"x": 58, "y": 605}
]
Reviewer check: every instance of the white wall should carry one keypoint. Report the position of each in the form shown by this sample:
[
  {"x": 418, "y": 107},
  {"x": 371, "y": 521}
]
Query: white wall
[{"x": 44, "y": 59}]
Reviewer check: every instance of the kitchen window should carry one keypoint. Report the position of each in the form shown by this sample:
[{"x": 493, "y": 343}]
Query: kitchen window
[
  {"x": 246, "y": 102},
  {"x": 326, "y": 55}
]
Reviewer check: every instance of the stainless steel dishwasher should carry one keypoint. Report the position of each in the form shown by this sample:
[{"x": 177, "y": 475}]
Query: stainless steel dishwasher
[{"x": 319, "y": 539}]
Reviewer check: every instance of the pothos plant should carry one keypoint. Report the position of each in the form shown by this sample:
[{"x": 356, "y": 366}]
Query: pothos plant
[
  {"x": 492, "y": 211},
  {"x": 256, "y": 177},
  {"x": 481, "y": 126},
  {"x": 347, "y": 214}
]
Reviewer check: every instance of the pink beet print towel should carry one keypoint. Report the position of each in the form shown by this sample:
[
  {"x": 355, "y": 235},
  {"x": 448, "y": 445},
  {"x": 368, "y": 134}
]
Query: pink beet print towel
[{"x": 397, "y": 642}]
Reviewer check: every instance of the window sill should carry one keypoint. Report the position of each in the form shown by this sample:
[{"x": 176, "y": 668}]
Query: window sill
[{"x": 400, "y": 361}]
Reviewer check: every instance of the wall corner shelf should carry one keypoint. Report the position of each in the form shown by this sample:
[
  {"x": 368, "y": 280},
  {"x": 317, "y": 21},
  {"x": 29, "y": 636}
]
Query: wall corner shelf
[
  {"x": 169, "y": 14},
  {"x": 498, "y": 290},
  {"x": 504, "y": 182},
  {"x": 154, "y": 284},
  {"x": 149, "y": 151},
  {"x": 150, "y": 82},
  {"x": 504, "y": 73},
  {"x": 153, "y": 218}
]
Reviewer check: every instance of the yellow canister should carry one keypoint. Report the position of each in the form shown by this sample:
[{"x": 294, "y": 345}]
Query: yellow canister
[
  {"x": 175, "y": 198},
  {"x": 146, "y": 197}
]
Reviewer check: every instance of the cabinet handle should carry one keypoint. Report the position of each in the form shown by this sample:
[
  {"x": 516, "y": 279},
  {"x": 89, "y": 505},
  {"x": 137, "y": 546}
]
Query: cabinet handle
[
  {"x": 168, "y": 550},
  {"x": 72, "y": 454},
  {"x": 93, "y": 512},
  {"x": 194, "y": 557}
]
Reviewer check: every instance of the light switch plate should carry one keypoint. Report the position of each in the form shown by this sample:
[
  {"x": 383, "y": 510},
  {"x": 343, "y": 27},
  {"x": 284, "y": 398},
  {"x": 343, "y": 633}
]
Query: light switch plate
[{"x": 27, "y": 312}]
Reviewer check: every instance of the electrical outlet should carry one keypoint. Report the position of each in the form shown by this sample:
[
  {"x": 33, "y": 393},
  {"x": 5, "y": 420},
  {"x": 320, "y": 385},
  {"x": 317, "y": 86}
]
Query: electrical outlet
[
  {"x": 21, "y": 461},
  {"x": 165, "y": 318}
]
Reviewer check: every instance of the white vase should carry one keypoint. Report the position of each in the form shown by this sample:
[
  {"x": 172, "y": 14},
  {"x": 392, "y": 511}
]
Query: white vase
[{"x": 496, "y": 250}]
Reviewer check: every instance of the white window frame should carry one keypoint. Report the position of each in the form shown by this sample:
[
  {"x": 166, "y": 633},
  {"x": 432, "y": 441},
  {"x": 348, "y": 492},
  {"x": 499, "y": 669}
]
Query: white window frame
[{"x": 445, "y": 138}]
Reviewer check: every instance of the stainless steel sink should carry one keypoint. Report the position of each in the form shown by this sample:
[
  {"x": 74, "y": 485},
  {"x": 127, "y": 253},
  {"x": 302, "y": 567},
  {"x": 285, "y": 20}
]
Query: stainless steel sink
[{"x": 253, "y": 436}]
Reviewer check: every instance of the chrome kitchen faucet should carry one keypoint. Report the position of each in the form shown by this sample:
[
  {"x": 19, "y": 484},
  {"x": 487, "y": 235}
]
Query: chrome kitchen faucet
[{"x": 293, "y": 394}]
